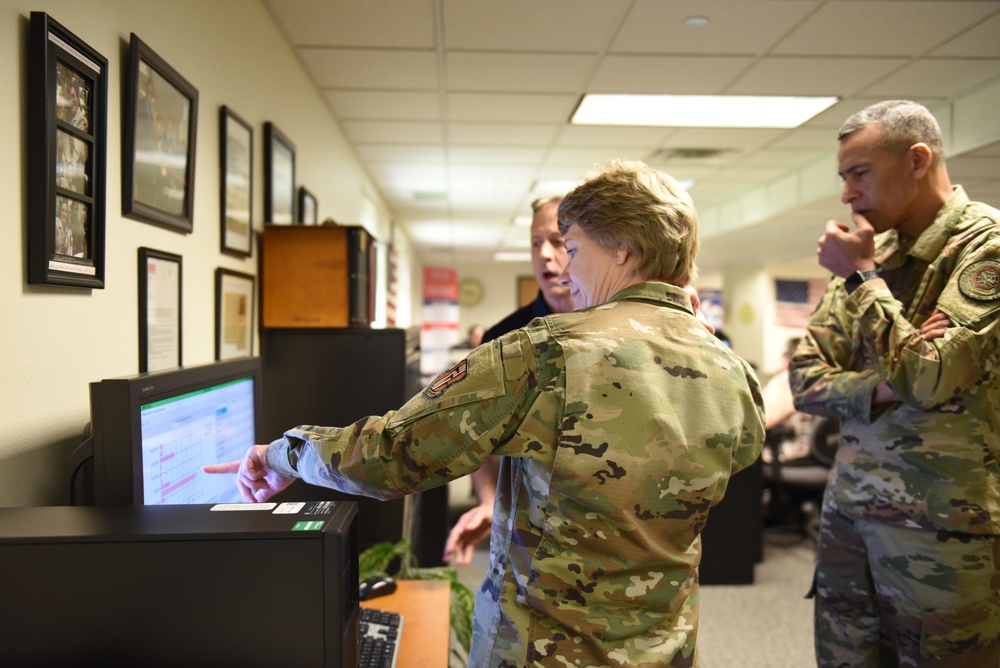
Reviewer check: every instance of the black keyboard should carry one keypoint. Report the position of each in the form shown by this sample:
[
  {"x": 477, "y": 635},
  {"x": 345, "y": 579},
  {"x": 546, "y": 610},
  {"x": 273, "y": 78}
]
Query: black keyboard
[{"x": 380, "y": 638}]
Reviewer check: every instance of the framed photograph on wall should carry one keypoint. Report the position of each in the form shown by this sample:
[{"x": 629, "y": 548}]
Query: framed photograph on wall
[
  {"x": 279, "y": 177},
  {"x": 236, "y": 154},
  {"x": 158, "y": 145},
  {"x": 308, "y": 208},
  {"x": 67, "y": 157},
  {"x": 233, "y": 314},
  {"x": 159, "y": 310}
]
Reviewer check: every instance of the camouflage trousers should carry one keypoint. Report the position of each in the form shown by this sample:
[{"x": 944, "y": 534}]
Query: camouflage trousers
[{"x": 897, "y": 596}]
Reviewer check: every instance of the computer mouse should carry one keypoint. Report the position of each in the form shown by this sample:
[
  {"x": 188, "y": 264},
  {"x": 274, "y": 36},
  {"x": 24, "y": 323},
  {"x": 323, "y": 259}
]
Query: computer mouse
[{"x": 377, "y": 585}]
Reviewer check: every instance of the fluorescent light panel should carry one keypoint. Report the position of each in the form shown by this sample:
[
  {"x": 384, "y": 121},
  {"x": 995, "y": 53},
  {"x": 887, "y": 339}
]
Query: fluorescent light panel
[
  {"x": 511, "y": 256},
  {"x": 700, "y": 111}
]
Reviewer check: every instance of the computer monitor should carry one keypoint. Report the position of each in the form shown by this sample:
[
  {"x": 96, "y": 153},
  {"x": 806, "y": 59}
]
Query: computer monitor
[{"x": 153, "y": 432}]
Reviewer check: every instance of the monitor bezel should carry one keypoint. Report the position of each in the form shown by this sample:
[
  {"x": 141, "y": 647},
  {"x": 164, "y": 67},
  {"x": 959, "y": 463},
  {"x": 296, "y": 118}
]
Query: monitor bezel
[{"x": 116, "y": 419}]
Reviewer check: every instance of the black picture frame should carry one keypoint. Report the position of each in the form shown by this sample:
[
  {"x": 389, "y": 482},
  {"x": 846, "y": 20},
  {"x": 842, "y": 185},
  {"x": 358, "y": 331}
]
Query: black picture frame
[
  {"x": 160, "y": 132},
  {"x": 308, "y": 208},
  {"x": 67, "y": 118},
  {"x": 160, "y": 314},
  {"x": 234, "y": 314},
  {"x": 236, "y": 177},
  {"x": 279, "y": 177}
]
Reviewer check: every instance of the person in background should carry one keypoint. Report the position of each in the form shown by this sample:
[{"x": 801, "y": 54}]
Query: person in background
[
  {"x": 795, "y": 428},
  {"x": 476, "y": 335},
  {"x": 548, "y": 258},
  {"x": 904, "y": 349},
  {"x": 618, "y": 426}
]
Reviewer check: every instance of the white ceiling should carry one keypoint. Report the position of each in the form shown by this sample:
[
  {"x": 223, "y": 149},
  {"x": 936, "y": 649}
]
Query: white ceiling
[{"x": 457, "y": 107}]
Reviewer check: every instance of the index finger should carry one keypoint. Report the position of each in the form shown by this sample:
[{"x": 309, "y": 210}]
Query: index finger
[
  {"x": 860, "y": 222},
  {"x": 228, "y": 467}
]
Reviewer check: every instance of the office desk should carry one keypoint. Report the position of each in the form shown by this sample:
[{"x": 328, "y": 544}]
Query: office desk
[{"x": 424, "y": 605}]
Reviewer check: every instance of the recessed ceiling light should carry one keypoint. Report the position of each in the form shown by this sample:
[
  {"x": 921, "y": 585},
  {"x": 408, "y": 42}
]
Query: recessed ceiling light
[
  {"x": 696, "y": 21},
  {"x": 699, "y": 111},
  {"x": 522, "y": 221}
]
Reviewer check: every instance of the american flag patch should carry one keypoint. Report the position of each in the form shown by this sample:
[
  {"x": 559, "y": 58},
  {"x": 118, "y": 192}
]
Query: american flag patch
[{"x": 453, "y": 375}]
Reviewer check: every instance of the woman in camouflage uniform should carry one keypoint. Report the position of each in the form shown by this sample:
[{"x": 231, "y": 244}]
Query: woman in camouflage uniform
[{"x": 617, "y": 427}]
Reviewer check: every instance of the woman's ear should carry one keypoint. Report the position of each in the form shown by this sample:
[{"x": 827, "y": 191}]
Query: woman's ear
[{"x": 621, "y": 255}]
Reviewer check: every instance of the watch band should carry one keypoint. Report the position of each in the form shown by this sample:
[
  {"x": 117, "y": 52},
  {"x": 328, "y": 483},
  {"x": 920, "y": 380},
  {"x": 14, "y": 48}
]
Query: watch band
[{"x": 854, "y": 281}]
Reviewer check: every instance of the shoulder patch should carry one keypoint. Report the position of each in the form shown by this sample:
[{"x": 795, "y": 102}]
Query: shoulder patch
[
  {"x": 981, "y": 280},
  {"x": 455, "y": 374}
]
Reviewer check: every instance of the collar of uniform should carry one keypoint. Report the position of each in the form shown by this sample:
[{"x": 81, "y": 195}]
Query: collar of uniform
[
  {"x": 893, "y": 248},
  {"x": 654, "y": 291},
  {"x": 929, "y": 244}
]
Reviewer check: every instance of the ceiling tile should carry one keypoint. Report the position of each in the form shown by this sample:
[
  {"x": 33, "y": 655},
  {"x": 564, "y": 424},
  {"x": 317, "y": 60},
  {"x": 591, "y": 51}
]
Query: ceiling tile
[
  {"x": 813, "y": 76},
  {"x": 693, "y": 75},
  {"x": 925, "y": 24},
  {"x": 371, "y": 68},
  {"x": 603, "y": 135},
  {"x": 495, "y": 155},
  {"x": 485, "y": 134},
  {"x": 570, "y": 26},
  {"x": 537, "y": 72},
  {"x": 978, "y": 42},
  {"x": 385, "y": 23},
  {"x": 740, "y": 139},
  {"x": 375, "y": 153},
  {"x": 735, "y": 26},
  {"x": 587, "y": 158},
  {"x": 369, "y": 105},
  {"x": 510, "y": 107},
  {"x": 807, "y": 138},
  {"x": 936, "y": 78},
  {"x": 393, "y": 132}
]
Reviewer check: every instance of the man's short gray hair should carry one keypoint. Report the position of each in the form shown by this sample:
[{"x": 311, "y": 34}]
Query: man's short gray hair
[{"x": 904, "y": 123}]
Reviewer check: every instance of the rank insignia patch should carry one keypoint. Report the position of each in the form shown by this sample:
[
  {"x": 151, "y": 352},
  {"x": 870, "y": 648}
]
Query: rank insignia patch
[
  {"x": 453, "y": 375},
  {"x": 981, "y": 280}
]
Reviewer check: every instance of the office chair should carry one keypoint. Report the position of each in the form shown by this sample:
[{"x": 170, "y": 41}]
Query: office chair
[{"x": 796, "y": 487}]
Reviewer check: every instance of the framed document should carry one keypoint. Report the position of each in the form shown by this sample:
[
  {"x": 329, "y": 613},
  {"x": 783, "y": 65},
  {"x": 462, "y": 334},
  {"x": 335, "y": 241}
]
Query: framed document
[
  {"x": 159, "y": 310},
  {"x": 233, "y": 314}
]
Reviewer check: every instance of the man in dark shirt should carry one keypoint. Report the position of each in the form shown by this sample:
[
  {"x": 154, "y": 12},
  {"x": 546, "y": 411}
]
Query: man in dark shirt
[{"x": 548, "y": 259}]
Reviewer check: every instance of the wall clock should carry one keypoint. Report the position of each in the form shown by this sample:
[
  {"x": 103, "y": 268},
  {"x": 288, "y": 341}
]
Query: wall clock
[{"x": 470, "y": 292}]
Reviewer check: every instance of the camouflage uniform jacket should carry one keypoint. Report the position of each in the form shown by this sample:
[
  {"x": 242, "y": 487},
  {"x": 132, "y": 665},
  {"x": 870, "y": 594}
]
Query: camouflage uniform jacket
[
  {"x": 929, "y": 460},
  {"x": 618, "y": 427}
]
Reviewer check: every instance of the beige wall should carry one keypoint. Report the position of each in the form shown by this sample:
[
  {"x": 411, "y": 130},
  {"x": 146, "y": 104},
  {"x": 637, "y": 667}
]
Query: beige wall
[{"x": 56, "y": 340}]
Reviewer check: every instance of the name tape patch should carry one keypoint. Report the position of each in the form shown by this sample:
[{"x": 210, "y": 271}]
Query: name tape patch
[{"x": 981, "y": 280}]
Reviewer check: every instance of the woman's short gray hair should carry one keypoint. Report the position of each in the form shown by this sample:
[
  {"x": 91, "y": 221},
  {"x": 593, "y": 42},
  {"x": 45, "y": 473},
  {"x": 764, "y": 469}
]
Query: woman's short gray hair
[
  {"x": 633, "y": 205},
  {"x": 904, "y": 123}
]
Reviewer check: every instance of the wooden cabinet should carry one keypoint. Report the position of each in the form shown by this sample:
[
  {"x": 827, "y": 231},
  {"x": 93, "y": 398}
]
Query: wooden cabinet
[{"x": 317, "y": 276}]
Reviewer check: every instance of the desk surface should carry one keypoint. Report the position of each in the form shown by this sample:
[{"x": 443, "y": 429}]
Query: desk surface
[{"x": 424, "y": 605}]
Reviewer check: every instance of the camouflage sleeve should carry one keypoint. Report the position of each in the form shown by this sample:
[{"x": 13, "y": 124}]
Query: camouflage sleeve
[
  {"x": 443, "y": 433},
  {"x": 925, "y": 374},
  {"x": 822, "y": 371}
]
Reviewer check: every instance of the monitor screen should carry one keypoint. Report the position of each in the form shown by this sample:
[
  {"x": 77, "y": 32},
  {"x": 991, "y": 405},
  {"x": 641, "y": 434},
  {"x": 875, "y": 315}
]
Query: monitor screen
[
  {"x": 153, "y": 432},
  {"x": 180, "y": 434}
]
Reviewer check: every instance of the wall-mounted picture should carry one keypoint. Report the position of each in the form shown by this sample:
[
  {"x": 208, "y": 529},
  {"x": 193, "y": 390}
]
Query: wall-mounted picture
[
  {"x": 233, "y": 314},
  {"x": 159, "y": 310},
  {"x": 236, "y": 153},
  {"x": 158, "y": 147},
  {"x": 308, "y": 208},
  {"x": 279, "y": 177},
  {"x": 67, "y": 157}
]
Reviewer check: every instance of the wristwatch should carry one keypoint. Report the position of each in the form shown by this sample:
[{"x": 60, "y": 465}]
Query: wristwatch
[{"x": 854, "y": 281}]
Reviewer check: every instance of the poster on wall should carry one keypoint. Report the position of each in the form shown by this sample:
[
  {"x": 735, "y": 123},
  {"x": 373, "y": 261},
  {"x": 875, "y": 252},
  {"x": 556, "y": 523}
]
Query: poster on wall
[{"x": 439, "y": 331}]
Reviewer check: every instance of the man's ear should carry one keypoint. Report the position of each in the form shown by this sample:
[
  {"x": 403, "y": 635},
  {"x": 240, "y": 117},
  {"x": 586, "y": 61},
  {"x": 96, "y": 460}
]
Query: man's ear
[{"x": 922, "y": 157}]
